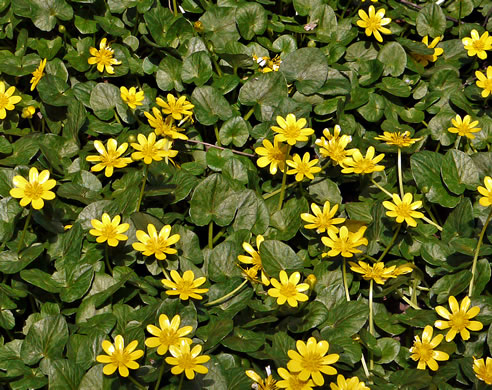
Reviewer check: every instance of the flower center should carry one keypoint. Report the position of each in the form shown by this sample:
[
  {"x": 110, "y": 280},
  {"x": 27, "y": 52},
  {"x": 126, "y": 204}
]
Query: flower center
[
  {"x": 342, "y": 245},
  {"x": 120, "y": 357},
  {"x": 403, "y": 210},
  {"x": 288, "y": 290},
  {"x": 292, "y": 131},
  {"x": 33, "y": 190},
  {"x": 425, "y": 352},
  {"x": 104, "y": 56},
  {"x": 303, "y": 168},
  {"x": 148, "y": 150},
  {"x": 4, "y": 100},
  {"x": 156, "y": 244},
  {"x": 364, "y": 165},
  {"x": 109, "y": 231},
  {"x": 186, "y": 361},
  {"x": 184, "y": 287},
  {"x": 312, "y": 362},
  {"x": 487, "y": 84},
  {"x": 276, "y": 155},
  {"x": 459, "y": 321},
  {"x": 168, "y": 337},
  {"x": 478, "y": 45},
  {"x": 109, "y": 158},
  {"x": 373, "y": 23}
]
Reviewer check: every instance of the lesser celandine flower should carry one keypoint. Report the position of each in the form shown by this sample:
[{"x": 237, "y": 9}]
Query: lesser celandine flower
[
  {"x": 458, "y": 321},
  {"x": 322, "y": 220},
  {"x": 154, "y": 243},
  {"x": 28, "y": 112},
  {"x": 254, "y": 258},
  {"x": 423, "y": 350},
  {"x": 7, "y": 101},
  {"x": 186, "y": 287},
  {"x": 464, "y": 127},
  {"x": 304, "y": 167},
  {"x": 103, "y": 57},
  {"x": 291, "y": 130},
  {"x": 189, "y": 361},
  {"x": 109, "y": 230},
  {"x": 311, "y": 360},
  {"x": 169, "y": 334},
  {"x": 348, "y": 384},
  {"x": 378, "y": 272},
  {"x": 268, "y": 384},
  {"x": 424, "y": 59},
  {"x": 359, "y": 164},
  {"x": 345, "y": 243},
  {"x": 120, "y": 357},
  {"x": 273, "y": 155},
  {"x": 288, "y": 289},
  {"x": 399, "y": 139},
  {"x": 484, "y": 82},
  {"x": 110, "y": 158},
  {"x": 176, "y": 108},
  {"x": 403, "y": 269},
  {"x": 335, "y": 148},
  {"x": 131, "y": 97},
  {"x": 38, "y": 74},
  {"x": 34, "y": 191},
  {"x": 374, "y": 22},
  {"x": 148, "y": 149},
  {"x": 486, "y": 191},
  {"x": 404, "y": 209},
  {"x": 477, "y": 45},
  {"x": 291, "y": 381},
  {"x": 483, "y": 369},
  {"x": 164, "y": 128}
]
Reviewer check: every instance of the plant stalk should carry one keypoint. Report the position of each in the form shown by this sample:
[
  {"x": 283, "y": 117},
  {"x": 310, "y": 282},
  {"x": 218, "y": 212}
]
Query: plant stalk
[
  {"x": 400, "y": 174},
  {"x": 146, "y": 172},
  {"x": 159, "y": 379},
  {"x": 106, "y": 259},
  {"x": 390, "y": 244},
  {"x": 228, "y": 295},
  {"x": 477, "y": 251},
  {"x": 21, "y": 242},
  {"x": 284, "y": 179},
  {"x": 345, "y": 284},
  {"x": 211, "y": 235},
  {"x": 371, "y": 322}
]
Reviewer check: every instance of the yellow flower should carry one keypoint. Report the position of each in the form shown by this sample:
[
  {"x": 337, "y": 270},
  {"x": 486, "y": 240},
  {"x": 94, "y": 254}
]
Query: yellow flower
[
  {"x": 346, "y": 243},
  {"x": 7, "y": 101},
  {"x": 377, "y": 272},
  {"x": 348, "y": 384},
  {"x": 156, "y": 244},
  {"x": 374, "y": 22},
  {"x": 268, "y": 65},
  {"x": 268, "y": 384},
  {"x": 483, "y": 371},
  {"x": 292, "y": 130},
  {"x": 304, "y": 167},
  {"x": 486, "y": 191},
  {"x": 374, "y": 1},
  {"x": 164, "y": 128},
  {"x": 459, "y": 318},
  {"x": 119, "y": 357},
  {"x": 291, "y": 381},
  {"x": 35, "y": 190},
  {"x": 464, "y": 127},
  {"x": 423, "y": 351},
  {"x": 176, "y": 108},
  {"x": 401, "y": 140},
  {"x": 403, "y": 269},
  {"x": 109, "y": 230},
  {"x": 404, "y": 210},
  {"x": 38, "y": 74},
  {"x": 109, "y": 159},
  {"x": 272, "y": 154},
  {"x": 288, "y": 290},
  {"x": 361, "y": 165},
  {"x": 186, "y": 286},
  {"x": 251, "y": 274},
  {"x": 188, "y": 361},
  {"x": 254, "y": 258},
  {"x": 169, "y": 334},
  {"x": 477, "y": 45},
  {"x": 310, "y": 361},
  {"x": 334, "y": 147},
  {"x": 148, "y": 149},
  {"x": 131, "y": 97},
  {"x": 28, "y": 112},
  {"x": 424, "y": 59},
  {"x": 322, "y": 220},
  {"x": 482, "y": 82},
  {"x": 103, "y": 57}
]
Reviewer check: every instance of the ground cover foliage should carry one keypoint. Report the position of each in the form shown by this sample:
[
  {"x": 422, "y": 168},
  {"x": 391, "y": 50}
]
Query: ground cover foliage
[{"x": 164, "y": 177}]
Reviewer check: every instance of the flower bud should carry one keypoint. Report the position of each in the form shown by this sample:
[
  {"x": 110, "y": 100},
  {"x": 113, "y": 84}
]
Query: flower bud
[
  {"x": 28, "y": 112},
  {"x": 311, "y": 281},
  {"x": 198, "y": 26}
]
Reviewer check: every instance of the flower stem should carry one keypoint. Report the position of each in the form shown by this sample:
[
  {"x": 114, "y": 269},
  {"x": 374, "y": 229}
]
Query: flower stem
[
  {"x": 374, "y": 260},
  {"x": 249, "y": 113},
  {"x": 413, "y": 305},
  {"x": 345, "y": 284},
  {"x": 106, "y": 259},
  {"x": 391, "y": 243},
  {"x": 21, "y": 242},
  {"x": 159, "y": 378},
  {"x": 400, "y": 175},
  {"x": 273, "y": 193},
  {"x": 430, "y": 222},
  {"x": 211, "y": 235},
  {"x": 371, "y": 322},
  {"x": 457, "y": 142},
  {"x": 228, "y": 295},
  {"x": 364, "y": 366},
  {"x": 175, "y": 8},
  {"x": 136, "y": 383},
  {"x": 181, "y": 381},
  {"x": 284, "y": 179},
  {"x": 194, "y": 141},
  {"x": 164, "y": 271},
  {"x": 477, "y": 250},
  {"x": 146, "y": 172},
  {"x": 216, "y": 131},
  {"x": 381, "y": 188}
]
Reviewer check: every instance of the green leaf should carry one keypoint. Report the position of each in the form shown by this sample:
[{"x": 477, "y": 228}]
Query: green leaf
[
  {"x": 460, "y": 222},
  {"x": 426, "y": 167},
  {"x": 197, "y": 68},
  {"x": 459, "y": 172},
  {"x": 45, "y": 13},
  {"x": 411, "y": 379},
  {"x": 313, "y": 315},
  {"x": 307, "y": 67},
  {"x": 235, "y": 131},
  {"x": 251, "y": 20},
  {"x": 286, "y": 222},
  {"x": 451, "y": 284},
  {"x": 103, "y": 100},
  {"x": 243, "y": 340},
  {"x": 223, "y": 262},
  {"x": 483, "y": 274},
  {"x": 40, "y": 279},
  {"x": 389, "y": 350},
  {"x": 394, "y": 59},
  {"x": 431, "y": 21},
  {"x": 395, "y": 87},
  {"x": 374, "y": 109},
  {"x": 327, "y": 27},
  {"x": 215, "y": 331},
  {"x": 219, "y": 24},
  {"x": 210, "y": 105},
  {"x": 263, "y": 89},
  {"x": 65, "y": 374},
  {"x": 11, "y": 263},
  {"x": 168, "y": 76},
  {"x": 277, "y": 256},
  {"x": 247, "y": 210},
  {"x": 325, "y": 190},
  {"x": 346, "y": 318}
]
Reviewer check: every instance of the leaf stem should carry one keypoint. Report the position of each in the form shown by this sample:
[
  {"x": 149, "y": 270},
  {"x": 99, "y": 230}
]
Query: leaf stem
[
  {"x": 159, "y": 378},
  {"x": 273, "y": 193},
  {"x": 164, "y": 271},
  {"x": 413, "y": 305},
  {"x": 175, "y": 8},
  {"x": 106, "y": 259},
  {"x": 345, "y": 284},
  {"x": 249, "y": 113},
  {"x": 136, "y": 383},
  {"x": 227, "y": 296},
  {"x": 371, "y": 322},
  {"x": 211, "y": 235},
  {"x": 193, "y": 141},
  {"x": 381, "y": 188},
  {"x": 364, "y": 366},
  {"x": 390, "y": 244},
  {"x": 181, "y": 381},
  {"x": 23, "y": 234},
  {"x": 457, "y": 142},
  {"x": 477, "y": 251},
  {"x": 430, "y": 222},
  {"x": 284, "y": 179},
  {"x": 216, "y": 131},
  {"x": 146, "y": 172},
  {"x": 400, "y": 174}
]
